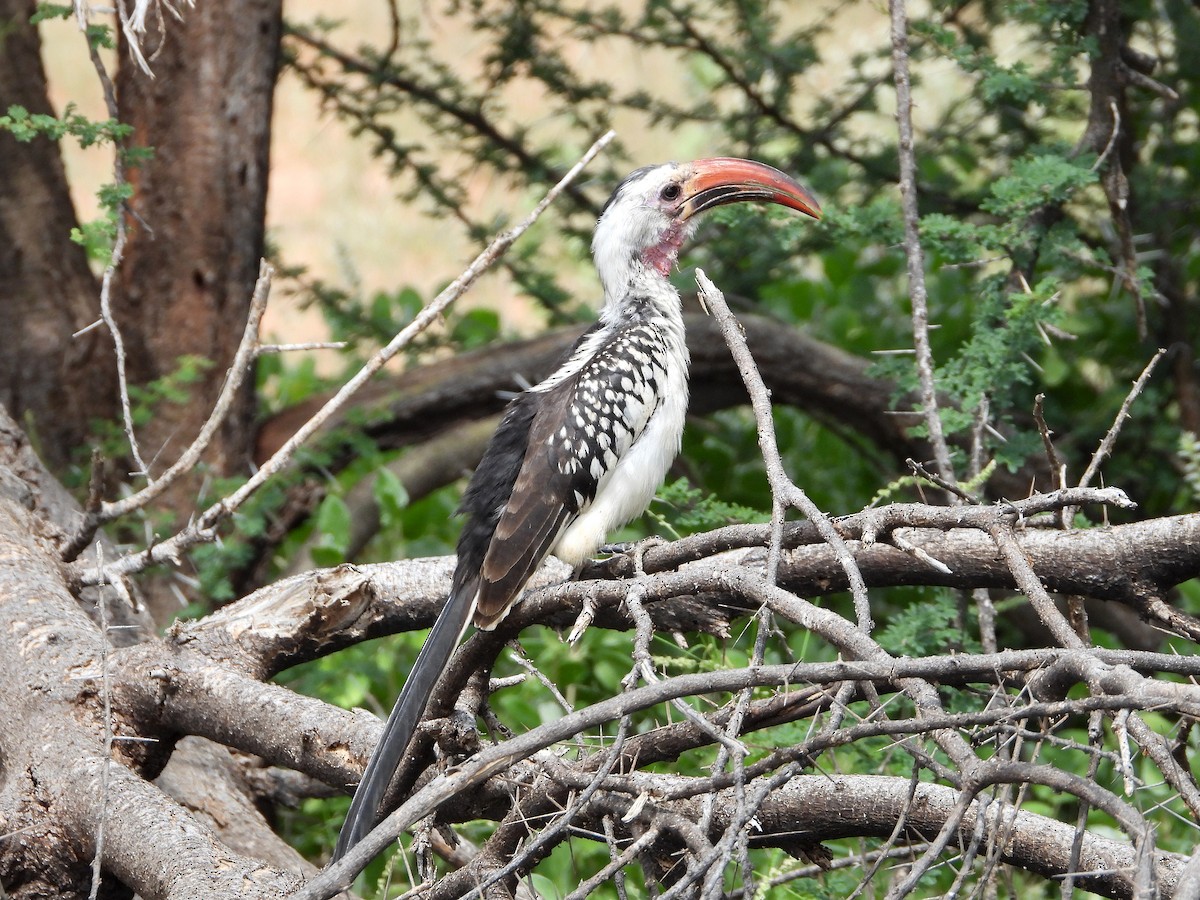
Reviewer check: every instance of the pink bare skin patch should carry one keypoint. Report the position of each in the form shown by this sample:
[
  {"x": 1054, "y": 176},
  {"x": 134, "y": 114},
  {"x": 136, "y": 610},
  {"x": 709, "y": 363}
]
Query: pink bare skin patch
[{"x": 663, "y": 255}]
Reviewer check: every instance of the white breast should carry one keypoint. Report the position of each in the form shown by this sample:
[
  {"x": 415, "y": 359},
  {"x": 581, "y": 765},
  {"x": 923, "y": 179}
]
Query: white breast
[{"x": 624, "y": 491}]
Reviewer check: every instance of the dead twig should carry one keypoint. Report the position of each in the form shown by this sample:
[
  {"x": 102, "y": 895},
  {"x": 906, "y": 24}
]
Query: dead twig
[
  {"x": 204, "y": 527},
  {"x": 784, "y": 491},
  {"x": 912, "y": 241},
  {"x": 118, "y": 249},
  {"x": 1110, "y": 439},
  {"x": 234, "y": 378}
]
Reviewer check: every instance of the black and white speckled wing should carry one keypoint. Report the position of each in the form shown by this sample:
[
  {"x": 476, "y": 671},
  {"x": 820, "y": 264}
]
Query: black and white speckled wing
[{"x": 586, "y": 421}]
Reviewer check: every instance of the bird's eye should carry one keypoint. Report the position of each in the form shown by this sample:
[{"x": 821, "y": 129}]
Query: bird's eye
[{"x": 671, "y": 192}]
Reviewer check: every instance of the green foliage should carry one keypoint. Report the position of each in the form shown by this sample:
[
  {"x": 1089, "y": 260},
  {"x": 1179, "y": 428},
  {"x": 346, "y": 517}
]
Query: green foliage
[
  {"x": 927, "y": 628},
  {"x": 1189, "y": 456},
  {"x": 95, "y": 237},
  {"x": 283, "y": 382},
  {"x": 475, "y": 328},
  {"x": 333, "y": 526},
  {"x": 174, "y": 388},
  {"x": 391, "y": 498},
  {"x": 690, "y": 510},
  {"x": 100, "y": 36},
  {"x": 47, "y": 11},
  {"x": 25, "y": 126}
]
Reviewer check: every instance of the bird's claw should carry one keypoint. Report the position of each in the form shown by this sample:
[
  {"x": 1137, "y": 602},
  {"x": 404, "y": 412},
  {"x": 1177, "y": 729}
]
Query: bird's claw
[
  {"x": 617, "y": 548},
  {"x": 637, "y": 552}
]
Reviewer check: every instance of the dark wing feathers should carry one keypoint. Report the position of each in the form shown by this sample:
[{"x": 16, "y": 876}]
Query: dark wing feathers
[
  {"x": 537, "y": 473},
  {"x": 485, "y": 497},
  {"x": 545, "y": 498},
  {"x": 366, "y": 807}
]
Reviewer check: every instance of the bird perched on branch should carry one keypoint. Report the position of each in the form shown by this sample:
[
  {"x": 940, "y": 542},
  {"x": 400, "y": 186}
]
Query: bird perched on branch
[{"x": 583, "y": 452}]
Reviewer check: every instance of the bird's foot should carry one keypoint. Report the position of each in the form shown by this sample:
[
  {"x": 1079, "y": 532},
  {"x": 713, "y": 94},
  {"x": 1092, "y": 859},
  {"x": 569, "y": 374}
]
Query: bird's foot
[
  {"x": 616, "y": 548},
  {"x": 636, "y": 550}
]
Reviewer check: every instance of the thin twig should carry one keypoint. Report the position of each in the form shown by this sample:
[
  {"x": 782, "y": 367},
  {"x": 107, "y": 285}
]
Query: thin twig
[
  {"x": 203, "y": 528},
  {"x": 783, "y": 489},
  {"x": 644, "y": 665},
  {"x": 912, "y": 241},
  {"x": 619, "y": 862},
  {"x": 986, "y": 610},
  {"x": 131, "y": 26},
  {"x": 1112, "y": 138},
  {"x": 934, "y": 478},
  {"x": 1030, "y": 585},
  {"x": 238, "y": 369},
  {"x": 549, "y": 835},
  {"x": 978, "y": 429},
  {"x": 521, "y": 658},
  {"x": 733, "y": 728},
  {"x": 890, "y": 841},
  {"x": 106, "y": 696},
  {"x": 291, "y": 348},
  {"x": 872, "y": 858},
  {"x": 118, "y": 249},
  {"x": 1110, "y": 439},
  {"x": 1057, "y": 466},
  {"x": 1019, "y": 772}
]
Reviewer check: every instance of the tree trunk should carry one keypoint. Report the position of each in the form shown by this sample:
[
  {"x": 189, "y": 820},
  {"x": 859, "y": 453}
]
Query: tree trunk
[
  {"x": 48, "y": 291},
  {"x": 200, "y": 203}
]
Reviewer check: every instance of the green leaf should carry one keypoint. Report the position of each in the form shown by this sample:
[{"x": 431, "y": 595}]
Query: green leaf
[
  {"x": 333, "y": 525},
  {"x": 476, "y": 329},
  {"x": 1035, "y": 181},
  {"x": 390, "y": 496},
  {"x": 46, "y": 11}
]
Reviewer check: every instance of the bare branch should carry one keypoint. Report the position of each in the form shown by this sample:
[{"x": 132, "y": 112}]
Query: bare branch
[
  {"x": 118, "y": 249},
  {"x": 292, "y": 348},
  {"x": 783, "y": 489},
  {"x": 1110, "y": 439},
  {"x": 912, "y": 240},
  {"x": 236, "y": 375},
  {"x": 203, "y": 529}
]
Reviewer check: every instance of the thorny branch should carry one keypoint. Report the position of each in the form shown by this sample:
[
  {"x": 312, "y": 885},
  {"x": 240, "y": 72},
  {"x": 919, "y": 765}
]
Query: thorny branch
[
  {"x": 120, "y": 239},
  {"x": 912, "y": 240},
  {"x": 784, "y": 491},
  {"x": 1110, "y": 438}
]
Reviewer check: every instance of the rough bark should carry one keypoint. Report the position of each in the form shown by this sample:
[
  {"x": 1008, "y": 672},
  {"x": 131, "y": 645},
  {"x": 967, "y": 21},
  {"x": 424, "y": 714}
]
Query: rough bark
[
  {"x": 48, "y": 291},
  {"x": 58, "y": 794},
  {"x": 200, "y": 202},
  {"x": 207, "y": 678}
]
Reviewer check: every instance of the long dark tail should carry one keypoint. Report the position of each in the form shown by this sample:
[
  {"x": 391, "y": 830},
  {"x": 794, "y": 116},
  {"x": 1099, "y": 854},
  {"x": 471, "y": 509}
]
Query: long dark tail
[{"x": 365, "y": 812}]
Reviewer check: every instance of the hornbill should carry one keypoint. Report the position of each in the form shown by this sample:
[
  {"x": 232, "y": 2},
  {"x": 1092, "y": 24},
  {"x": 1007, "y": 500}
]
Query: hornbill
[{"x": 583, "y": 452}]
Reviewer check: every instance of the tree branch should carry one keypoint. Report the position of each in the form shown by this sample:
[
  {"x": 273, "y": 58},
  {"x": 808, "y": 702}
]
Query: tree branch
[
  {"x": 203, "y": 529},
  {"x": 912, "y": 240}
]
